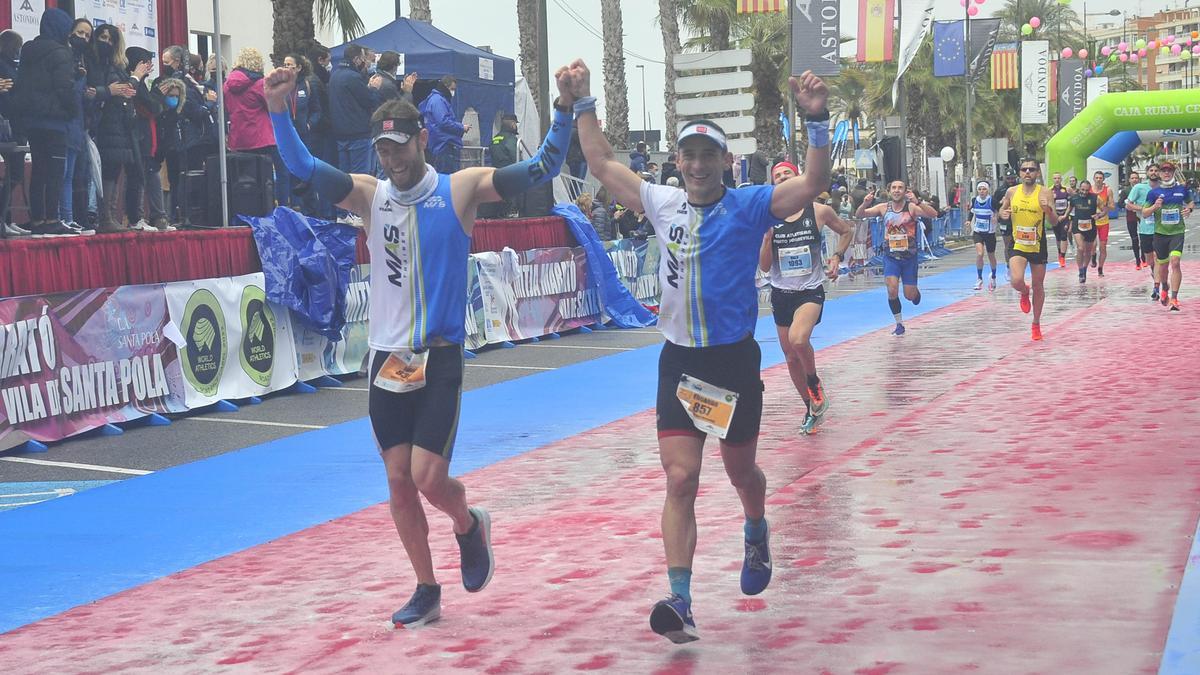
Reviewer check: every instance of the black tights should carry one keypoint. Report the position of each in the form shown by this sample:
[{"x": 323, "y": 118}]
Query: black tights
[
  {"x": 48, "y": 151},
  {"x": 1132, "y": 226}
]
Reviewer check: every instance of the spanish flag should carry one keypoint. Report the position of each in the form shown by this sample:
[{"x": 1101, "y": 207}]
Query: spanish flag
[
  {"x": 758, "y": 6},
  {"x": 875, "y": 21}
]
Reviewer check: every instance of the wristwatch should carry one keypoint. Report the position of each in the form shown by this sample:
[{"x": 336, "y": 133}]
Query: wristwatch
[{"x": 822, "y": 116}]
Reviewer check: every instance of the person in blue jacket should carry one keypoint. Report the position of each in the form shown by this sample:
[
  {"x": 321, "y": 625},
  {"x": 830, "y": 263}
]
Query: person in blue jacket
[
  {"x": 445, "y": 131},
  {"x": 352, "y": 100}
]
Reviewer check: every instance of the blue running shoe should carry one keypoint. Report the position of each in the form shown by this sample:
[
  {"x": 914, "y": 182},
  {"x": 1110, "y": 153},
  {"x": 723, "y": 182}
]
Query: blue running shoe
[
  {"x": 425, "y": 606},
  {"x": 475, "y": 550},
  {"x": 899, "y": 329},
  {"x": 672, "y": 619},
  {"x": 756, "y": 568},
  {"x": 810, "y": 423}
]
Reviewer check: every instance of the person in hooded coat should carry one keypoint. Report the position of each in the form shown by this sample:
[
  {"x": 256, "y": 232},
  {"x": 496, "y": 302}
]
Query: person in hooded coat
[
  {"x": 14, "y": 162},
  {"x": 249, "y": 121}
]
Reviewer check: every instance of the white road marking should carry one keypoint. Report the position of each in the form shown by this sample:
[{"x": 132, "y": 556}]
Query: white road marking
[
  {"x": 345, "y": 388},
  {"x": 496, "y": 365},
  {"x": 256, "y": 422},
  {"x": 74, "y": 465},
  {"x": 58, "y": 492},
  {"x": 607, "y": 349}
]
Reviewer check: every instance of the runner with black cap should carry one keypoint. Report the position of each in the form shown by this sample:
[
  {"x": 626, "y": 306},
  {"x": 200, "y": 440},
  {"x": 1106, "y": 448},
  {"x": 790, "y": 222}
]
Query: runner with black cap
[
  {"x": 709, "y": 371},
  {"x": 791, "y": 256},
  {"x": 419, "y": 226}
]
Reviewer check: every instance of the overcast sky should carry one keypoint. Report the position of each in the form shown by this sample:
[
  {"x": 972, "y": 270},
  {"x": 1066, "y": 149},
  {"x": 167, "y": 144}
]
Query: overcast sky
[{"x": 494, "y": 23}]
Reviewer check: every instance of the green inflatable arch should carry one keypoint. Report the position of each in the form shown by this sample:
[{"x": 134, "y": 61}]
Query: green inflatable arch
[{"x": 1068, "y": 150}]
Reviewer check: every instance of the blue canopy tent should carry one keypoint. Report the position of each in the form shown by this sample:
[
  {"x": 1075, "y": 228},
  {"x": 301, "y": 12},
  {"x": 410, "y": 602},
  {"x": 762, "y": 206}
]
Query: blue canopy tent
[{"x": 485, "y": 80}]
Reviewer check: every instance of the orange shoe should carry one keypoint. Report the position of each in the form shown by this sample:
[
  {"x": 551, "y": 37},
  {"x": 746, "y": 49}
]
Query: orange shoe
[
  {"x": 1174, "y": 304},
  {"x": 1062, "y": 262},
  {"x": 1165, "y": 297},
  {"x": 1037, "y": 332},
  {"x": 1026, "y": 306},
  {"x": 819, "y": 404}
]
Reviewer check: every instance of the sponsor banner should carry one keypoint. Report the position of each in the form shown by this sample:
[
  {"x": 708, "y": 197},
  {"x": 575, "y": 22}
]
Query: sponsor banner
[
  {"x": 1035, "y": 82},
  {"x": 475, "y": 314},
  {"x": 137, "y": 19},
  {"x": 637, "y": 267},
  {"x": 816, "y": 37},
  {"x": 914, "y": 24},
  {"x": 27, "y": 17},
  {"x": 535, "y": 293},
  {"x": 234, "y": 343},
  {"x": 981, "y": 39},
  {"x": 317, "y": 355},
  {"x": 71, "y": 362},
  {"x": 1072, "y": 90},
  {"x": 1096, "y": 87}
]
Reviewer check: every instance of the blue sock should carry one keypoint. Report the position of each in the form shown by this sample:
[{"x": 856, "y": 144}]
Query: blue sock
[
  {"x": 681, "y": 582},
  {"x": 979, "y": 272},
  {"x": 756, "y": 529}
]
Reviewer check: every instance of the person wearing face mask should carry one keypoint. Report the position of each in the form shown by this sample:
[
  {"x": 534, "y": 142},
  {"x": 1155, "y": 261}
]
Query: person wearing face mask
[
  {"x": 46, "y": 99},
  {"x": 14, "y": 162},
  {"x": 114, "y": 126},
  {"x": 324, "y": 146},
  {"x": 352, "y": 100},
  {"x": 77, "y": 174},
  {"x": 147, "y": 109},
  {"x": 445, "y": 131}
]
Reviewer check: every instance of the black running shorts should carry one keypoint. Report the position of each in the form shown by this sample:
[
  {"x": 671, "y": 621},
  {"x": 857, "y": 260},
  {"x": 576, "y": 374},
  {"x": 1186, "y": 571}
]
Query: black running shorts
[
  {"x": 735, "y": 367},
  {"x": 988, "y": 239},
  {"x": 784, "y": 303},
  {"x": 427, "y": 417},
  {"x": 1167, "y": 244},
  {"x": 1038, "y": 258},
  {"x": 1147, "y": 241}
]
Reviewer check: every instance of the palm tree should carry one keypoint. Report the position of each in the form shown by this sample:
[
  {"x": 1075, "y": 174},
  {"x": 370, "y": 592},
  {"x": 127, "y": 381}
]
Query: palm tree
[
  {"x": 765, "y": 35},
  {"x": 527, "y": 29},
  {"x": 1060, "y": 23},
  {"x": 294, "y": 23},
  {"x": 668, "y": 18},
  {"x": 418, "y": 10},
  {"x": 848, "y": 94},
  {"x": 710, "y": 21},
  {"x": 616, "y": 101}
]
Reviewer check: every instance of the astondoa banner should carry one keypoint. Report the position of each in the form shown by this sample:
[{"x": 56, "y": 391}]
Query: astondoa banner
[
  {"x": 317, "y": 355},
  {"x": 816, "y": 37},
  {"x": 1035, "y": 82},
  {"x": 71, "y": 362},
  {"x": 535, "y": 293},
  {"x": 233, "y": 343},
  {"x": 1072, "y": 89}
]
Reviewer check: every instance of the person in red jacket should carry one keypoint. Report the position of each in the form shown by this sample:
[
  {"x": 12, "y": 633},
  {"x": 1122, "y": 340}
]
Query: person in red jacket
[{"x": 249, "y": 120}]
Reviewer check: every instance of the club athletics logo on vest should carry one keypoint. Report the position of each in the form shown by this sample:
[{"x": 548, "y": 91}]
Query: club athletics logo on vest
[
  {"x": 258, "y": 336},
  {"x": 206, "y": 350}
]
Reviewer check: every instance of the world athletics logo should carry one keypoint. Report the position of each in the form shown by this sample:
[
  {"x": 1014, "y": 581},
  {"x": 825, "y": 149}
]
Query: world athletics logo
[
  {"x": 206, "y": 351},
  {"x": 257, "y": 353}
]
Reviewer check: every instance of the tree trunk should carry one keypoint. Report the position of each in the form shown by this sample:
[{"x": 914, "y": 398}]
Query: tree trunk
[
  {"x": 719, "y": 31},
  {"x": 292, "y": 27},
  {"x": 616, "y": 101},
  {"x": 668, "y": 18},
  {"x": 418, "y": 10},
  {"x": 768, "y": 102},
  {"x": 527, "y": 24}
]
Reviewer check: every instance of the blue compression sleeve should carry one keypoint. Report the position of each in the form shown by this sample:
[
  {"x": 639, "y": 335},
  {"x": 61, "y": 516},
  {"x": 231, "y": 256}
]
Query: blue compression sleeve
[
  {"x": 331, "y": 183},
  {"x": 543, "y": 166}
]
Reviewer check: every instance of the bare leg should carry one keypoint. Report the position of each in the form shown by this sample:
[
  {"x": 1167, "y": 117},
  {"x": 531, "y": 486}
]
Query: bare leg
[
  {"x": 431, "y": 473},
  {"x": 745, "y": 475},
  {"x": 1103, "y": 244},
  {"x": 795, "y": 362},
  {"x": 1176, "y": 275},
  {"x": 407, "y": 512},
  {"x": 1039, "y": 291},
  {"x": 1016, "y": 269},
  {"x": 681, "y": 458}
]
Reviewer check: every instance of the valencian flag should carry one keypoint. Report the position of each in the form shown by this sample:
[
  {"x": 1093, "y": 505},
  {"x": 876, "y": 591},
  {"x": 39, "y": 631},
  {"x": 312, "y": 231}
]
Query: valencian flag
[
  {"x": 875, "y": 23},
  {"x": 758, "y": 6},
  {"x": 1004, "y": 66},
  {"x": 949, "y": 57}
]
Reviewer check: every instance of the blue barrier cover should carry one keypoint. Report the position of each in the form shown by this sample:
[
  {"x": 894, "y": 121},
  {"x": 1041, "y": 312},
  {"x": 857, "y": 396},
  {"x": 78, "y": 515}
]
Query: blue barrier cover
[
  {"x": 307, "y": 263},
  {"x": 617, "y": 301}
]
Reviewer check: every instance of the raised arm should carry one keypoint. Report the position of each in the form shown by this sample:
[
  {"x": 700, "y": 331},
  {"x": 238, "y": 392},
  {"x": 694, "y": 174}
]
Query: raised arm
[
  {"x": 353, "y": 193},
  {"x": 766, "y": 256},
  {"x": 791, "y": 196},
  {"x": 623, "y": 184}
]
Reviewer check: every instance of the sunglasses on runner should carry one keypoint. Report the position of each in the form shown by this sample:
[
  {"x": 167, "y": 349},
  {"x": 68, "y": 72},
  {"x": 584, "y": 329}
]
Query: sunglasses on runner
[{"x": 1028, "y": 169}]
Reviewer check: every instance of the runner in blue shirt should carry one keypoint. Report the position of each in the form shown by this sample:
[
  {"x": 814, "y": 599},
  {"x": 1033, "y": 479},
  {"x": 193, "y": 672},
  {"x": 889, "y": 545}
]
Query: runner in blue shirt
[
  {"x": 900, "y": 215},
  {"x": 982, "y": 217},
  {"x": 1170, "y": 204},
  {"x": 709, "y": 370}
]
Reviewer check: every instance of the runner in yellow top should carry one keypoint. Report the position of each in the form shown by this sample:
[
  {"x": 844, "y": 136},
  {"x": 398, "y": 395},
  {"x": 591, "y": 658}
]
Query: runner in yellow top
[{"x": 1029, "y": 205}]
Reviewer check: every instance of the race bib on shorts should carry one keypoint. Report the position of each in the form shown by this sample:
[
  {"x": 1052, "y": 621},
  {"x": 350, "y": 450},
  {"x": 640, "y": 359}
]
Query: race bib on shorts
[
  {"x": 1085, "y": 225},
  {"x": 1171, "y": 216},
  {"x": 710, "y": 407},
  {"x": 897, "y": 242},
  {"x": 402, "y": 372},
  {"x": 1060, "y": 205},
  {"x": 795, "y": 261}
]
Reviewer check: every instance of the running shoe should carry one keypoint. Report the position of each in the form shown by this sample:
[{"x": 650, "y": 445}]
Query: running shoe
[
  {"x": 1154, "y": 294},
  {"x": 1100, "y": 271},
  {"x": 1174, "y": 304},
  {"x": 992, "y": 284},
  {"x": 425, "y": 606},
  {"x": 1082, "y": 276},
  {"x": 1062, "y": 262},
  {"x": 142, "y": 226},
  {"x": 817, "y": 396},
  {"x": 898, "y": 330},
  {"x": 1093, "y": 260},
  {"x": 809, "y": 425},
  {"x": 756, "y": 566},
  {"x": 11, "y": 230},
  {"x": 1026, "y": 306},
  {"x": 475, "y": 550},
  {"x": 672, "y": 619},
  {"x": 1139, "y": 266},
  {"x": 917, "y": 300},
  {"x": 1037, "y": 332},
  {"x": 80, "y": 229},
  {"x": 979, "y": 285},
  {"x": 1164, "y": 298}
]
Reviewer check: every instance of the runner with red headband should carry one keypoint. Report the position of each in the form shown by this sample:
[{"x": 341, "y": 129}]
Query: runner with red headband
[{"x": 791, "y": 255}]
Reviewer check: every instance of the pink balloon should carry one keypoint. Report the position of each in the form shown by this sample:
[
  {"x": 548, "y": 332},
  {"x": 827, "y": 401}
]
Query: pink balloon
[
  {"x": 1151, "y": 45},
  {"x": 972, "y": 10},
  {"x": 1066, "y": 52},
  {"x": 1035, "y": 22},
  {"x": 1124, "y": 58},
  {"x": 1124, "y": 46},
  {"x": 962, "y": 3},
  {"x": 1106, "y": 50},
  {"x": 1170, "y": 39},
  {"x": 1196, "y": 49},
  {"x": 1141, "y": 53},
  {"x": 979, "y": 2},
  {"x": 1083, "y": 53},
  {"x": 1175, "y": 49},
  {"x": 1133, "y": 58}
]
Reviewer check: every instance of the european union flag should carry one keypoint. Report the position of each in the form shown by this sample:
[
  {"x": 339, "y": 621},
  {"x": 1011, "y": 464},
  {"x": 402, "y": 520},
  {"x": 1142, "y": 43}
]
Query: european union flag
[{"x": 949, "y": 54}]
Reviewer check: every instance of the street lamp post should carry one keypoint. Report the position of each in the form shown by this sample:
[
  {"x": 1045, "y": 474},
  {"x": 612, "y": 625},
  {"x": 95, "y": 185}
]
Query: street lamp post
[{"x": 642, "y": 68}]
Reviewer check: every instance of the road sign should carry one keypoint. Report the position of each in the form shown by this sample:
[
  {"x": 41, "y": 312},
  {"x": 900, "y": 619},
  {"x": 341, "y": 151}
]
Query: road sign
[{"x": 994, "y": 151}]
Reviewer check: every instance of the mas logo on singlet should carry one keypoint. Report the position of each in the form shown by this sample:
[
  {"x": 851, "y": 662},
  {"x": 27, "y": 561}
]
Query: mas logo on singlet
[
  {"x": 435, "y": 202},
  {"x": 676, "y": 238},
  {"x": 205, "y": 353},
  {"x": 258, "y": 336}
]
